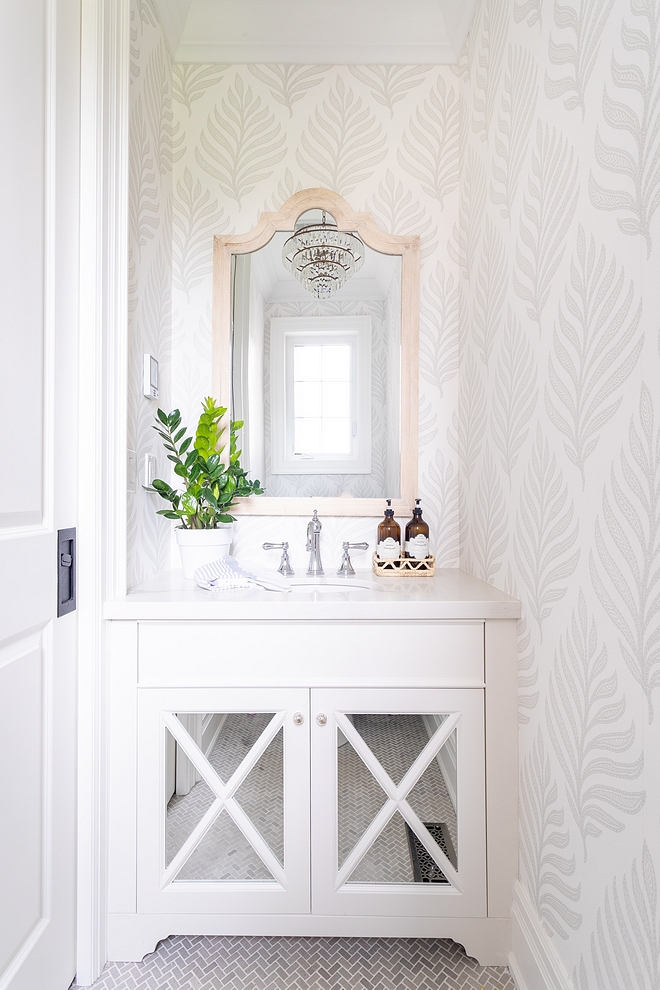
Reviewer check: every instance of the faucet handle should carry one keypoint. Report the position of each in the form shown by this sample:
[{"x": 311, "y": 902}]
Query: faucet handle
[
  {"x": 346, "y": 568},
  {"x": 285, "y": 568}
]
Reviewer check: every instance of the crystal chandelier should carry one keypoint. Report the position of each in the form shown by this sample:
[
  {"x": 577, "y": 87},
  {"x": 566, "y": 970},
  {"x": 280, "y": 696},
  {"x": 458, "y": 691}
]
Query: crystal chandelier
[{"x": 322, "y": 257}]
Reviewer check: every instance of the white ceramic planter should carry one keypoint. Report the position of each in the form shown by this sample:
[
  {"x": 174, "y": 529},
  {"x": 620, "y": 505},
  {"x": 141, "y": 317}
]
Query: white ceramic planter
[{"x": 201, "y": 546}]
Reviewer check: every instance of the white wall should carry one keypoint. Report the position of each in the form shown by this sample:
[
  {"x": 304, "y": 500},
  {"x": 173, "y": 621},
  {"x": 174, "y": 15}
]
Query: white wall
[{"x": 560, "y": 446}]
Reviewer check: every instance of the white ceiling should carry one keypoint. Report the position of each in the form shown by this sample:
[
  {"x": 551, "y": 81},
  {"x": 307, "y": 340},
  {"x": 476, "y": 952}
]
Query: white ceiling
[{"x": 325, "y": 32}]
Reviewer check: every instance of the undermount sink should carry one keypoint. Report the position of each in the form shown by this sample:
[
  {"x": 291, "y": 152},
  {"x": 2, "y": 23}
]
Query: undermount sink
[{"x": 331, "y": 585}]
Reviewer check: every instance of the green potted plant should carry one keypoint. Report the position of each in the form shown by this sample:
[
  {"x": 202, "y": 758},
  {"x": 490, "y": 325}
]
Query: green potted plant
[{"x": 211, "y": 485}]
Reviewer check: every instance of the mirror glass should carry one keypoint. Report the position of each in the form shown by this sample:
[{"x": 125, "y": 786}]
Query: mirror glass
[
  {"x": 375, "y": 842},
  {"x": 318, "y": 381},
  {"x": 241, "y": 838}
]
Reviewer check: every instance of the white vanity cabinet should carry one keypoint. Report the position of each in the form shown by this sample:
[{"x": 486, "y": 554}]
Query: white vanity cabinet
[{"x": 338, "y": 767}]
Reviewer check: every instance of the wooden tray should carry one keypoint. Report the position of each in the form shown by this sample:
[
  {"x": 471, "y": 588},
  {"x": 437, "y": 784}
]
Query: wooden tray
[{"x": 404, "y": 567}]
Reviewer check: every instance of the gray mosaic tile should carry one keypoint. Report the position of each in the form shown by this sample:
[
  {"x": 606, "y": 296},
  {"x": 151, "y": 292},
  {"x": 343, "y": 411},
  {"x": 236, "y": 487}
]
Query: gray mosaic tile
[{"x": 184, "y": 962}]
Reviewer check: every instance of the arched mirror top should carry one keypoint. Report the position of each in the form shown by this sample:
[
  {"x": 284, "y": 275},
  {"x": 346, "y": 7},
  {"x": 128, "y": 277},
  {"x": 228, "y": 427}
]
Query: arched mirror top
[{"x": 381, "y": 396}]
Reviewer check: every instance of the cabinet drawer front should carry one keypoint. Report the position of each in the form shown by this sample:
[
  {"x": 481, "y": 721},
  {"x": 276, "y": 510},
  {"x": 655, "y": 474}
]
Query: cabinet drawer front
[{"x": 353, "y": 653}]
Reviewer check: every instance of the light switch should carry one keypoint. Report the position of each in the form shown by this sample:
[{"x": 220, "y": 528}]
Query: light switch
[
  {"x": 131, "y": 471},
  {"x": 150, "y": 377},
  {"x": 149, "y": 472}
]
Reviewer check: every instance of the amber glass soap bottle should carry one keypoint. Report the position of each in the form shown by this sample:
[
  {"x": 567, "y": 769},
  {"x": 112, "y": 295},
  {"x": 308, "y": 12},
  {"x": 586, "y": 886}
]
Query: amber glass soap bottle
[
  {"x": 417, "y": 535},
  {"x": 389, "y": 536}
]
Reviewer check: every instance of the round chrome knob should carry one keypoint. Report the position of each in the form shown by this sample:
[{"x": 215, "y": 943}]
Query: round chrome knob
[
  {"x": 321, "y": 719},
  {"x": 298, "y": 718}
]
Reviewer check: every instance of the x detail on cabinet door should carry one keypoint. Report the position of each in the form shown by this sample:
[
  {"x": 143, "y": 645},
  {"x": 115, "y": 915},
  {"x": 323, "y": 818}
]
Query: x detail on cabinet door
[
  {"x": 398, "y": 802},
  {"x": 223, "y": 806}
]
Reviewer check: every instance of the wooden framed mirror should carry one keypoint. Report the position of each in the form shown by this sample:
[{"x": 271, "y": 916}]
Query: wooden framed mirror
[{"x": 328, "y": 389}]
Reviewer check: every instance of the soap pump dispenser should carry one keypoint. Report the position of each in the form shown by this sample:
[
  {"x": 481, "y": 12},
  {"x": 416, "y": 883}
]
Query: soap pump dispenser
[
  {"x": 389, "y": 536},
  {"x": 417, "y": 535}
]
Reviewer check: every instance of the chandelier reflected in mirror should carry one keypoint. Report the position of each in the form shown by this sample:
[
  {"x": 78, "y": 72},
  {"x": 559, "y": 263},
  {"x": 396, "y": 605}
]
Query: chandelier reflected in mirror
[{"x": 320, "y": 256}]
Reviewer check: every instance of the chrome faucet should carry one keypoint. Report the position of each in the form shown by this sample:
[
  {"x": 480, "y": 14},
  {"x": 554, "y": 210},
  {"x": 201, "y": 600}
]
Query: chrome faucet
[
  {"x": 346, "y": 568},
  {"x": 314, "y": 545},
  {"x": 285, "y": 568}
]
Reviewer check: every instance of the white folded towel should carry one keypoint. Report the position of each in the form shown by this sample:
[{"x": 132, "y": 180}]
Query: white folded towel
[{"x": 226, "y": 573}]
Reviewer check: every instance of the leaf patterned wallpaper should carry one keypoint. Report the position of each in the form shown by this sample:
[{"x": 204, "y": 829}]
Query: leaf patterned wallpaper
[
  {"x": 154, "y": 145},
  {"x": 243, "y": 139},
  {"x": 531, "y": 170},
  {"x": 558, "y": 431},
  {"x": 388, "y": 140}
]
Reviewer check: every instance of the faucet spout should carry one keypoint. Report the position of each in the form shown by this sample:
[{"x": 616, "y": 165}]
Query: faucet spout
[{"x": 314, "y": 527}]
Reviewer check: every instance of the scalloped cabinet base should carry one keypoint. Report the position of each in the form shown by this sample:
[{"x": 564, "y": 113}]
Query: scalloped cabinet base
[{"x": 268, "y": 776}]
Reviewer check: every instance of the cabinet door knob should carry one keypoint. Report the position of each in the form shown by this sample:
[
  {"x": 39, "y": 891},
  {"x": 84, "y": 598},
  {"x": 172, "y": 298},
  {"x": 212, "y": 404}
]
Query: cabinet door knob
[
  {"x": 298, "y": 718},
  {"x": 321, "y": 719}
]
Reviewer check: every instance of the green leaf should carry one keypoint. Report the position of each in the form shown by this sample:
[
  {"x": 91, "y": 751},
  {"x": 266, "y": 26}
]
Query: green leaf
[
  {"x": 210, "y": 498},
  {"x": 209, "y": 486}
]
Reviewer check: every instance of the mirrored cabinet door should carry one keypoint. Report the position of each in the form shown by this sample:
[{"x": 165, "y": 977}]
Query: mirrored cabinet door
[
  {"x": 224, "y": 799},
  {"x": 398, "y": 791}
]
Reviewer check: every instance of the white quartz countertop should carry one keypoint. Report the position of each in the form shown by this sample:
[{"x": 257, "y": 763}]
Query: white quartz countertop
[{"x": 450, "y": 594}]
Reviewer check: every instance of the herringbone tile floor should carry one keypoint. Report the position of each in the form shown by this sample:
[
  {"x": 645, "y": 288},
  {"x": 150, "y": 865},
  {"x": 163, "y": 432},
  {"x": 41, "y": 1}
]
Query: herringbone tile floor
[{"x": 199, "y": 962}]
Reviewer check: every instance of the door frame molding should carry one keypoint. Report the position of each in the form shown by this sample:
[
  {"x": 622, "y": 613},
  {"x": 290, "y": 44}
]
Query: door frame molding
[{"x": 104, "y": 54}]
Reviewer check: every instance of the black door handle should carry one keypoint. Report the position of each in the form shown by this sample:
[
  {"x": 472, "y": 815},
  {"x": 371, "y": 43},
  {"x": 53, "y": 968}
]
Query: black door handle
[{"x": 66, "y": 571}]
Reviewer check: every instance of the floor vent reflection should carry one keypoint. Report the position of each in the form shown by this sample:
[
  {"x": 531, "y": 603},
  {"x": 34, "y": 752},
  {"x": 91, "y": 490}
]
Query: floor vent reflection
[{"x": 425, "y": 869}]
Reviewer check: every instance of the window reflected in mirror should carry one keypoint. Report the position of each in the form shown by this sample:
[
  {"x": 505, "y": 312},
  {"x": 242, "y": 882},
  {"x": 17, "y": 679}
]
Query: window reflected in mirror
[{"x": 318, "y": 382}]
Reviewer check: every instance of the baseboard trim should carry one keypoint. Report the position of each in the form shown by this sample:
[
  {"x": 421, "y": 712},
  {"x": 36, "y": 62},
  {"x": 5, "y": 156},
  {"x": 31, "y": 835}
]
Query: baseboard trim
[{"x": 533, "y": 961}]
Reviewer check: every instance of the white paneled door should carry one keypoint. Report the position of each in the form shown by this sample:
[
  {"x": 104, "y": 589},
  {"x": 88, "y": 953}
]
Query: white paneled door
[{"x": 39, "y": 191}]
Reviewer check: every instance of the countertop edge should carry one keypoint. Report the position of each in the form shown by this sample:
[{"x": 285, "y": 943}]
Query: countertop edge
[{"x": 284, "y": 612}]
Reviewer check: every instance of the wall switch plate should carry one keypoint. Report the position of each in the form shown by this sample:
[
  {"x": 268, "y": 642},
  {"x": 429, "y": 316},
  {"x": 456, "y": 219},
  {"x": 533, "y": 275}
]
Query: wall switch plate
[
  {"x": 149, "y": 472},
  {"x": 150, "y": 377},
  {"x": 131, "y": 471}
]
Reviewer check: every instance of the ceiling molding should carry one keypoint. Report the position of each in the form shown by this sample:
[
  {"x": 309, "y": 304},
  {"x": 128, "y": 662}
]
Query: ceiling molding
[
  {"x": 173, "y": 15},
  {"x": 319, "y": 54},
  {"x": 375, "y": 32}
]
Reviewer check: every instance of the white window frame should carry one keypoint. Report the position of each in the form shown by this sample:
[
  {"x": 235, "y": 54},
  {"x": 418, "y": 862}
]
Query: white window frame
[{"x": 285, "y": 333}]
